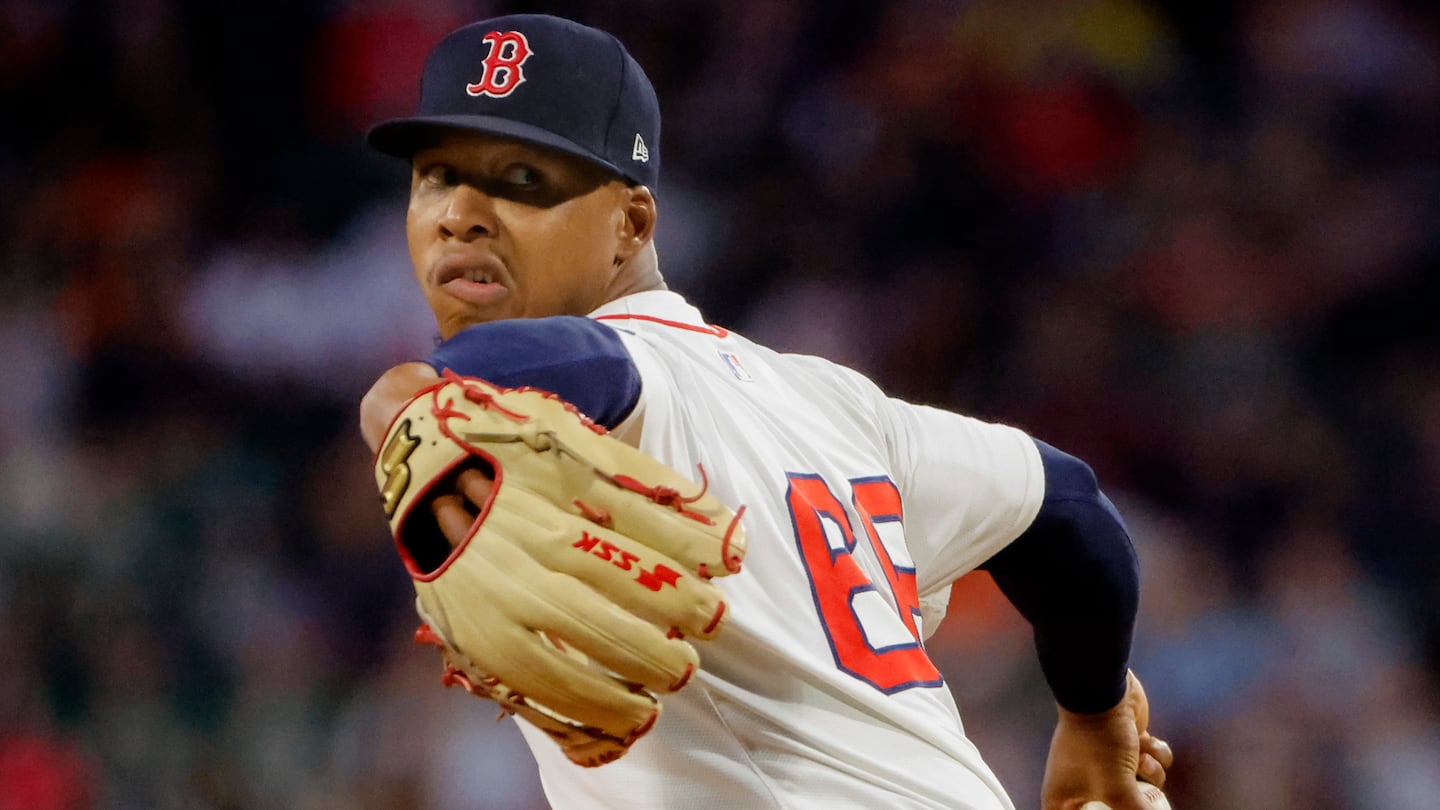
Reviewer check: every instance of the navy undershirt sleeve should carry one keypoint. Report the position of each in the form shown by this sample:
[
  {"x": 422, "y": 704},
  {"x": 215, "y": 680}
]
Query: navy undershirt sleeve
[
  {"x": 578, "y": 359},
  {"x": 1073, "y": 575}
]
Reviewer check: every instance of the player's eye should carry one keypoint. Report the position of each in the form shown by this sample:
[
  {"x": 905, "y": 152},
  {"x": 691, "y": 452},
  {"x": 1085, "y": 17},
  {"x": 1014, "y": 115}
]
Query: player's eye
[
  {"x": 521, "y": 176},
  {"x": 440, "y": 174}
]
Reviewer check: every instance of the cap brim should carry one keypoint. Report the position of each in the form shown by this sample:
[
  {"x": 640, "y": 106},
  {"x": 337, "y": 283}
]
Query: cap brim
[{"x": 403, "y": 137}]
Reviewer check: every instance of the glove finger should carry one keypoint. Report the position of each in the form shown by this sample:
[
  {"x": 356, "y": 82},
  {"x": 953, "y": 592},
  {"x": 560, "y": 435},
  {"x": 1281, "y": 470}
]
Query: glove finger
[
  {"x": 644, "y": 581},
  {"x": 627, "y": 645},
  {"x": 524, "y": 596},
  {"x": 563, "y": 684},
  {"x": 583, "y": 745},
  {"x": 701, "y": 534},
  {"x": 624, "y": 570}
]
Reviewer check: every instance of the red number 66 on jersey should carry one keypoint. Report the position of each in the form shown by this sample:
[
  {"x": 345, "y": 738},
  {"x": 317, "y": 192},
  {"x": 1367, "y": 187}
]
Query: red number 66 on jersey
[{"x": 870, "y": 641}]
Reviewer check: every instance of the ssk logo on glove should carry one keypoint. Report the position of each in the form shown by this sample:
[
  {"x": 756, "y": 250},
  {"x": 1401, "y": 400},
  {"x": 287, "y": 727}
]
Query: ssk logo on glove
[{"x": 622, "y": 559}]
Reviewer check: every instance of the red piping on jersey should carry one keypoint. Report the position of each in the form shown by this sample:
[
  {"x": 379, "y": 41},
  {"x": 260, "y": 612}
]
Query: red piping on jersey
[{"x": 704, "y": 329}]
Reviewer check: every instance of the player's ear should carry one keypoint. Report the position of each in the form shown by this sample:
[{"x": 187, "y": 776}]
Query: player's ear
[{"x": 636, "y": 228}]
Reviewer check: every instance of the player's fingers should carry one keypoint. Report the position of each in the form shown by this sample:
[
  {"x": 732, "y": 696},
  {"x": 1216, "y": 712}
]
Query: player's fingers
[
  {"x": 1150, "y": 798},
  {"x": 452, "y": 516},
  {"x": 474, "y": 485},
  {"x": 1151, "y": 771},
  {"x": 1155, "y": 798},
  {"x": 1159, "y": 749}
]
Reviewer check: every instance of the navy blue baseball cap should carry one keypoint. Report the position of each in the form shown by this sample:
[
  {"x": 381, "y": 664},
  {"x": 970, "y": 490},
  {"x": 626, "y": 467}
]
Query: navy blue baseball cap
[{"x": 539, "y": 79}]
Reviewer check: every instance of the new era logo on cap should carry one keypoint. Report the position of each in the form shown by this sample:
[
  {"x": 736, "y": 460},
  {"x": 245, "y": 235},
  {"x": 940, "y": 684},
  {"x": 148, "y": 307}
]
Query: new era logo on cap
[{"x": 539, "y": 79}]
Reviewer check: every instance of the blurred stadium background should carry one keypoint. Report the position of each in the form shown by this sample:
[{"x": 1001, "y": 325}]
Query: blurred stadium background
[{"x": 1196, "y": 244}]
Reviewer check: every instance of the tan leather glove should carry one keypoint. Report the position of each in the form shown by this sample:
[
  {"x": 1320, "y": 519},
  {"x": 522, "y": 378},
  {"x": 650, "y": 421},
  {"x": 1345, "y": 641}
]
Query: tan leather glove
[{"x": 571, "y": 598}]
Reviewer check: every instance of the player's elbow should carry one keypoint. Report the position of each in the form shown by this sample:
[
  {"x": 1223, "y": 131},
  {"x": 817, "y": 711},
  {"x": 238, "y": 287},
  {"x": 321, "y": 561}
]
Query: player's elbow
[
  {"x": 1077, "y": 544},
  {"x": 1077, "y": 515},
  {"x": 1074, "y": 576}
]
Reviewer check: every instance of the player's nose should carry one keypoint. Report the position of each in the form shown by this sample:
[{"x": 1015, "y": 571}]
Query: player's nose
[{"x": 469, "y": 214}]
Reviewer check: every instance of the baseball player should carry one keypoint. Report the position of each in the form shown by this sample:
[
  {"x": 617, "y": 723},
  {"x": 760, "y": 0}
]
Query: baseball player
[{"x": 533, "y": 209}]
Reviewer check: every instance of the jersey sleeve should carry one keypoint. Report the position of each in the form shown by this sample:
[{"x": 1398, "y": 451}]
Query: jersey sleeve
[
  {"x": 969, "y": 487},
  {"x": 577, "y": 359}
]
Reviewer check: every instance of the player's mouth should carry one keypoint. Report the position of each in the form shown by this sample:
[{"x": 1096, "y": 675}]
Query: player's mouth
[{"x": 478, "y": 280}]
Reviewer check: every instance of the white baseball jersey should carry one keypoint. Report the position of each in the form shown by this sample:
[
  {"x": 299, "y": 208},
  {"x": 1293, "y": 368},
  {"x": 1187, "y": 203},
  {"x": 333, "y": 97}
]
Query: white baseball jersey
[{"x": 818, "y": 692}]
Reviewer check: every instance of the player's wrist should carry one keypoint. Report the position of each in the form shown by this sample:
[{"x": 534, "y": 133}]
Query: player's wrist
[
  {"x": 1095, "y": 720},
  {"x": 1132, "y": 709},
  {"x": 1087, "y": 693}
]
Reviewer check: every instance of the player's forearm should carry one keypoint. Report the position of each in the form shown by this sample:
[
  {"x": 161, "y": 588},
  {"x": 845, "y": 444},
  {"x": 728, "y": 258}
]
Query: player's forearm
[{"x": 1074, "y": 577}]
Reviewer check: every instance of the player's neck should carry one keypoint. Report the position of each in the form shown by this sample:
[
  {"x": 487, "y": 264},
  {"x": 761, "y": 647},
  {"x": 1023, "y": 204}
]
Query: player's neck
[{"x": 639, "y": 273}]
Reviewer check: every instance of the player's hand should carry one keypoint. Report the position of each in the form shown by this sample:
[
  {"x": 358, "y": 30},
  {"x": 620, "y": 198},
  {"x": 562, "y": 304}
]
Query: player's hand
[
  {"x": 1108, "y": 757},
  {"x": 454, "y": 508},
  {"x": 388, "y": 395},
  {"x": 455, "y": 511}
]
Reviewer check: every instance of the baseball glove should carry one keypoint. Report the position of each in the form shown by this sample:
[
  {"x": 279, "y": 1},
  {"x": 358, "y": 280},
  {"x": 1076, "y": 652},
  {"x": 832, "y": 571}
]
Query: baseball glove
[{"x": 570, "y": 599}]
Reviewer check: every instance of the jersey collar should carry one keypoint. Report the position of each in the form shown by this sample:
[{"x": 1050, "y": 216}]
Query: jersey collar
[
  {"x": 661, "y": 307},
  {"x": 666, "y": 304}
]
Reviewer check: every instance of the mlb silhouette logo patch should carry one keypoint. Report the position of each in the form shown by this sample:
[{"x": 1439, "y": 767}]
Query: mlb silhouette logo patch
[
  {"x": 732, "y": 361},
  {"x": 503, "y": 66}
]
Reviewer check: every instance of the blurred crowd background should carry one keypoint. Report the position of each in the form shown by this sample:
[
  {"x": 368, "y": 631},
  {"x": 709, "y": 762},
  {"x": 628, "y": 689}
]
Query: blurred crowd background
[{"x": 1196, "y": 244}]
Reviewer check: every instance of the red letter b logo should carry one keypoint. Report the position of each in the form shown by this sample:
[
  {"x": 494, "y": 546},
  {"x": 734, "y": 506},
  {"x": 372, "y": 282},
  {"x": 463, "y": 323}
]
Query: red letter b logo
[{"x": 508, "y": 51}]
